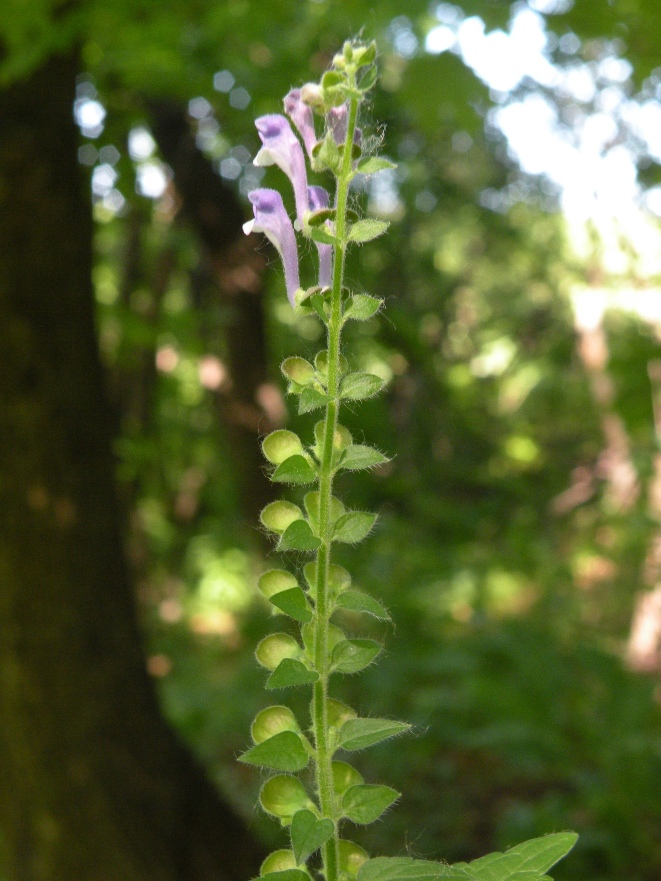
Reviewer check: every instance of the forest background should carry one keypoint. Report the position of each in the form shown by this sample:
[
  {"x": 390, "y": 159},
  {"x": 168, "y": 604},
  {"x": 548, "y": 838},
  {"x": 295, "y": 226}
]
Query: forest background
[{"x": 518, "y": 545}]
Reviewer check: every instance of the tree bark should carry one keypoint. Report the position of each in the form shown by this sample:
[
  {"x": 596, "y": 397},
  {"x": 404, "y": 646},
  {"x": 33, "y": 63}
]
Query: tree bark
[{"x": 94, "y": 786}]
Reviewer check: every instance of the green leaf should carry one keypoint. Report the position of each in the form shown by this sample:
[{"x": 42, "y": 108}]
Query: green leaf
[
  {"x": 368, "y": 80},
  {"x": 312, "y": 399},
  {"x": 524, "y": 862},
  {"x": 293, "y": 603},
  {"x": 367, "y": 229},
  {"x": 308, "y": 834},
  {"x": 282, "y": 752},
  {"x": 353, "y": 655},
  {"x": 535, "y": 856},
  {"x": 358, "y": 386},
  {"x": 320, "y": 305},
  {"x": 326, "y": 154},
  {"x": 361, "y": 733},
  {"x": 332, "y": 78},
  {"x": 323, "y": 236},
  {"x": 298, "y": 537},
  {"x": 290, "y": 672},
  {"x": 286, "y": 875},
  {"x": 359, "y": 456},
  {"x": 364, "y": 55},
  {"x": 407, "y": 869},
  {"x": 316, "y": 218},
  {"x": 295, "y": 469},
  {"x": 356, "y": 601},
  {"x": 360, "y": 307},
  {"x": 372, "y": 164},
  {"x": 352, "y": 527},
  {"x": 366, "y": 802}
]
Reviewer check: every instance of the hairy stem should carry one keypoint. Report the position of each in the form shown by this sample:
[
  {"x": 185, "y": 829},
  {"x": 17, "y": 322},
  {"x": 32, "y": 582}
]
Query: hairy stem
[{"x": 323, "y": 749}]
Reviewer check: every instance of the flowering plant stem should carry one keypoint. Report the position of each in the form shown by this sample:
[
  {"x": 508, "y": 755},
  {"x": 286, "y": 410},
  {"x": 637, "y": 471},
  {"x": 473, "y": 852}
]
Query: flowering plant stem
[
  {"x": 323, "y": 755},
  {"x": 280, "y": 743}
]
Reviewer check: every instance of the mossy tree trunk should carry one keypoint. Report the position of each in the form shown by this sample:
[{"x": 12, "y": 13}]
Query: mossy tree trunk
[{"x": 94, "y": 786}]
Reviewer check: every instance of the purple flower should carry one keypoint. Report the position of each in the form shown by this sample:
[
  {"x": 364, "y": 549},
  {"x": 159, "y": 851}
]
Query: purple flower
[
  {"x": 318, "y": 198},
  {"x": 282, "y": 148},
  {"x": 302, "y": 117},
  {"x": 337, "y": 123},
  {"x": 272, "y": 220}
]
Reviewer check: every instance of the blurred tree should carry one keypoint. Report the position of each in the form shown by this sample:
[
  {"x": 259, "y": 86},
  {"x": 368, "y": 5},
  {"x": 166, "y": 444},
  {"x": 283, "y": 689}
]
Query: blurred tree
[{"x": 94, "y": 783}]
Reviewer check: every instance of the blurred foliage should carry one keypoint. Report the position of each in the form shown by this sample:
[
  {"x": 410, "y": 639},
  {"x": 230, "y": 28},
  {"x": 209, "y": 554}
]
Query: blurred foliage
[{"x": 512, "y": 607}]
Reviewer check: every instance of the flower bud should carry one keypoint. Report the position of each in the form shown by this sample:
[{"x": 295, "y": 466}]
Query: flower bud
[
  {"x": 275, "y": 581},
  {"x": 312, "y": 95},
  {"x": 339, "y": 713},
  {"x": 352, "y": 857},
  {"x": 341, "y": 439},
  {"x": 279, "y": 515},
  {"x": 321, "y": 363},
  {"x": 272, "y": 721},
  {"x": 338, "y": 578},
  {"x": 279, "y": 861},
  {"x": 281, "y": 444},
  {"x": 345, "y": 776},
  {"x": 297, "y": 370},
  {"x": 282, "y": 796},
  {"x": 275, "y": 648},
  {"x": 311, "y": 502}
]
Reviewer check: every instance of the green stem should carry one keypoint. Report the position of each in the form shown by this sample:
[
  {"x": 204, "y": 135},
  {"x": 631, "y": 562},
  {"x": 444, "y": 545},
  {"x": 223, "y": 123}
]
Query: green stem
[{"x": 323, "y": 608}]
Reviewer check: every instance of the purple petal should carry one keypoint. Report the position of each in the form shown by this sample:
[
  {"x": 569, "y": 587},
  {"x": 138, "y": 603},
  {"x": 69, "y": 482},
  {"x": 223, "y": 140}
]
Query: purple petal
[
  {"x": 318, "y": 198},
  {"x": 302, "y": 117},
  {"x": 272, "y": 220},
  {"x": 282, "y": 148},
  {"x": 337, "y": 123}
]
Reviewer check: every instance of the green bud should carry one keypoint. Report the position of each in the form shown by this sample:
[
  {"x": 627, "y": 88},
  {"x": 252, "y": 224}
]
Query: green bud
[
  {"x": 331, "y": 79},
  {"x": 321, "y": 363},
  {"x": 352, "y": 857},
  {"x": 275, "y": 648},
  {"x": 282, "y": 796},
  {"x": 297, "y": 370},
  {"x": 335, "y": 636},
  {"x": 275, "y": 581},
  {"x": 280, "y": 861},
  {"x": 279, "y": 515},
  {"x": 312, "y": 95},
  {"x": 272, "y": 721},
  {"x": 339, "y": 579},
  {"x": 339, "y": 713},
  {"x": 341, "y": 439},
  {"x": 345, "y": 776},
  {"x": 363, "y": 55},
  {"x": 281, "y": 444},
  {"x": 311, "y": 502}
]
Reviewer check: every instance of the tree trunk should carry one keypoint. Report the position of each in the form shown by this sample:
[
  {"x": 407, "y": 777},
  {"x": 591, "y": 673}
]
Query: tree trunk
[{"x": 94, "y": 786}]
